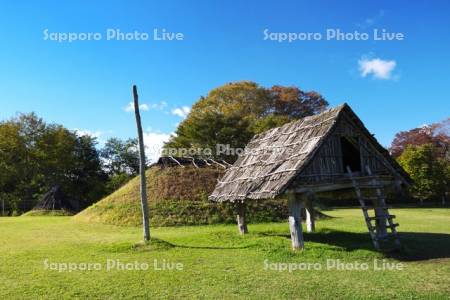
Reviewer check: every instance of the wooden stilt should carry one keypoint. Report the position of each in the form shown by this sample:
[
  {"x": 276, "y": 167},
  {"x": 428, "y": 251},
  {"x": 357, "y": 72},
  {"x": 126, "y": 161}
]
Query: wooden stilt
[
  {"x": 242, "y": 224},
  {"x": 310, "y": 217},
  {"x": 295, "y": 225}
]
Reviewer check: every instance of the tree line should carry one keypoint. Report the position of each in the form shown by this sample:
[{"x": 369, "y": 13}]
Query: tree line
[{"x": 36, "y": 156}]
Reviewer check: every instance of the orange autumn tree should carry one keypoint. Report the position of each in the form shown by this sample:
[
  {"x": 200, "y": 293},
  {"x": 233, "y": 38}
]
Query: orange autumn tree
[{"x": 233, "y": 113}]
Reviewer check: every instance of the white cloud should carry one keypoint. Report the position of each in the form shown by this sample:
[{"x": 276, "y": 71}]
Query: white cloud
[
  {"x": 378, "y": 68},
  {"x": 146, "y": 107},
  {"x": 182, "y": 112},
  {"x": 159, "y": 106},
  {"x": 154, "y": 142},
  {"x": 130, "y": 107},
  {"x": 94, "y": 134}
]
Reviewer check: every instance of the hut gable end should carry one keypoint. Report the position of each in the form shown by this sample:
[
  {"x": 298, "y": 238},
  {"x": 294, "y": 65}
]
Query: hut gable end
[{"x": 347, "y": 145}]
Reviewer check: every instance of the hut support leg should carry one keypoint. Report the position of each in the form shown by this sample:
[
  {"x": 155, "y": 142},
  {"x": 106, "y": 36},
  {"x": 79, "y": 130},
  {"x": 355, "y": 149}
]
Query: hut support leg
[
  {"x": 295, "y": 222},
  {"x": 242, "y": 225},
  {"x": 310, "y": 217}
]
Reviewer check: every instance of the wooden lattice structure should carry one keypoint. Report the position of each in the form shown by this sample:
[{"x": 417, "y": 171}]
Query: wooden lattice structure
[
  {"x": 55, "y": 199},
  {"x": 308, "y": 156}
]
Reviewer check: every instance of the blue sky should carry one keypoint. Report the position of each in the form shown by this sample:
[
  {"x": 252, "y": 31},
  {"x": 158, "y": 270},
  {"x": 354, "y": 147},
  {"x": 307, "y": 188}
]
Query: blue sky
[{"x": 86, "y": 85}]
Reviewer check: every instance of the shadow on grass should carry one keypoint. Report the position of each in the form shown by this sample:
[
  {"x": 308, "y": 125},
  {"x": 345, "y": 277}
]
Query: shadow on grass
[
  {"x": 158, "y": 244},
  {"x": 416, "y": 246}
]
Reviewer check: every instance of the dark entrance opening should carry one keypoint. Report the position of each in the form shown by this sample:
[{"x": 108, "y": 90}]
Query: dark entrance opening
[{"x": 350, "y": 154}]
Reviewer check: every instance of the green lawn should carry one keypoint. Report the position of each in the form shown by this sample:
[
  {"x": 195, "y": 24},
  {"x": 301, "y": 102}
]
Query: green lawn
[{"x": 218, "y": 263}]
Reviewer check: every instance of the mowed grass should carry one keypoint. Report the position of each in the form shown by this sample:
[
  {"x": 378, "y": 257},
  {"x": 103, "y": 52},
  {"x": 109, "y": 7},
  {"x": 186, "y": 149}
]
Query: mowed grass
[{"x": 220, "y": 264}]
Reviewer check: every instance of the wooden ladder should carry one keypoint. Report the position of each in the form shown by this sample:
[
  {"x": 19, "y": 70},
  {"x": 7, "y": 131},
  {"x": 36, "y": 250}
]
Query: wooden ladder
[{"x": 373, "y": 191}]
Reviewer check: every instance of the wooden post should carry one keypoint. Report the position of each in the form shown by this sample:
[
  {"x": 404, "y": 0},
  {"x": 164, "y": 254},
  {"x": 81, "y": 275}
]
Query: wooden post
[
  {"x": 310, "y": 216},
  {"x": 144, "y": 203},
  {"x": 242, "y": 224},
  {"x": 295, "y": 221}
]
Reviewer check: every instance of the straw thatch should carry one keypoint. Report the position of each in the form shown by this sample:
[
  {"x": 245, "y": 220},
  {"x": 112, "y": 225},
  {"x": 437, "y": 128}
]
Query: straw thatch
[
  {"x": 273, "y": 160},
  {"x": 171, "y": 161}
]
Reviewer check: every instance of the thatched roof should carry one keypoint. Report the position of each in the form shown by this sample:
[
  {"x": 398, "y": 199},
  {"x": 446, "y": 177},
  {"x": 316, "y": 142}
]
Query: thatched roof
[
  {"x": 171, "y": 161},
  {"x": 273, "y": 159}
]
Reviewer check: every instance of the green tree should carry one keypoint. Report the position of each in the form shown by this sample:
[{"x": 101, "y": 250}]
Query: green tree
[
  {"x": 12, "y": 169},
  {"x": 87, "y": 176},
  {"x": 429, "y": 171},
  {"x": 232, "y": 114},
  {"x": 35, "y": 156},
  {"x": 120, "y": 156},
  {"x": 120, "y": 161}
]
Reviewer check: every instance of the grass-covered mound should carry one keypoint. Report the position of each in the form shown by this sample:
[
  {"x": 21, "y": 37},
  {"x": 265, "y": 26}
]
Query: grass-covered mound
[{"x": 177, "y": 196}]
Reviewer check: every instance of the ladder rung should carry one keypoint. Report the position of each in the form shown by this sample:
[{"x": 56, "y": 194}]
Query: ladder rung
[
  {"x": 381, "y": 217},
  {"x": 393, "y": 233}
]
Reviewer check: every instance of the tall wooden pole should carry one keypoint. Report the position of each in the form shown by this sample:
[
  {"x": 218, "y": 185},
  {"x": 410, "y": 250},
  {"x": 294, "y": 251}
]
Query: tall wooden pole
[{"x": 144, "y": 203}]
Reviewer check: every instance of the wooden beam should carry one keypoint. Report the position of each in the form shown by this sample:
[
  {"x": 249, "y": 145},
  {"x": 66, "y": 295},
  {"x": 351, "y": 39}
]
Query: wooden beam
[
  {"x": 295, "y": 221},
  {"x": 317, "y": 188},
  {"x": 242, "y": 224}
]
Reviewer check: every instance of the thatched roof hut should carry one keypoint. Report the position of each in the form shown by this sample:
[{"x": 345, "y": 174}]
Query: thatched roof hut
[
  {"x": 313, "y": 154},
  {"x": 55, "y": 199}
]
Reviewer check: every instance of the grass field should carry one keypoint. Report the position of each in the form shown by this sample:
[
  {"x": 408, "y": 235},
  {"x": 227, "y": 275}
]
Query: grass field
[{"x": 218, "y": 263}]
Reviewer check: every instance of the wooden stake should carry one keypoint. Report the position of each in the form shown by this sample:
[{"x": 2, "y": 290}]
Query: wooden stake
[
  {"x": 144, "y": 203},
  {"x": 295, "y": 221},
  {"x": 242, "y": 224}
]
